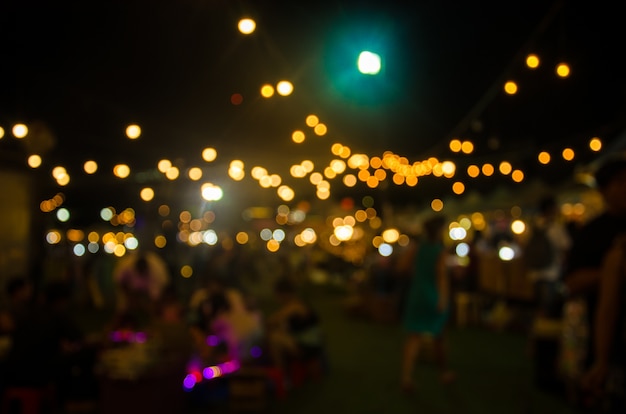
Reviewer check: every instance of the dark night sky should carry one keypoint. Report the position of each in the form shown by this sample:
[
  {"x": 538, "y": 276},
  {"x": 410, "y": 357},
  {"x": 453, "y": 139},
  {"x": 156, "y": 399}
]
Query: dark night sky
[{"x": 85, "y": 70}]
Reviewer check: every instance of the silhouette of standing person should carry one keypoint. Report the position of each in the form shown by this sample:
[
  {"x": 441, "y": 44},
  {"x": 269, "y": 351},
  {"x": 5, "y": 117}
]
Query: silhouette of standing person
[
  {"x": 587, "y": 271},
  {"x": 428, "y": 301},
  {"x": 141, "y": 279}
]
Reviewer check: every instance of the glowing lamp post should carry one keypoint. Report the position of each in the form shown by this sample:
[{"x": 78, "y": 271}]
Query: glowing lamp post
[{"x": 369, "y": 63}]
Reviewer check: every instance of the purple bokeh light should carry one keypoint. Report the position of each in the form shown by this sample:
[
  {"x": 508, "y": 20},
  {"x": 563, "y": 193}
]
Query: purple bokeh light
[
  {"x": 208, "y": 373},
  {"x": 189, "y": 382}
]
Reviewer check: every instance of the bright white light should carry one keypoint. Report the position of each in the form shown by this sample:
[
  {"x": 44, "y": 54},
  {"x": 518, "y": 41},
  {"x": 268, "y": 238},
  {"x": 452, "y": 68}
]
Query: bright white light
[
  {"x": 79, "y": 250},
  {"x": 210, "y": 237},
  {"x": 385, "y": 249},
  {"x": 284, "y": 88},
  {"x": 20, "y": 130},
  {"x": 109, "y": 247},
  {"x": 369, "y": 63},
  {"x": 246, "y": 26},
  {"x": 106, "y": 214},
  {"x": 212, "y": 192},
  {"x": 518, "y": 227},
  {"x": 63, "y": 215},
  {"x": 278, "y": 235},
  {"x": 506, "y": 253},
  {"x": 131, "y": 243},
  {"x": 308, "y": 235},
  {"x": 344, "y": 233},
  {"x": 462, "y": 249},
  {"x": 458, "y": 233}
]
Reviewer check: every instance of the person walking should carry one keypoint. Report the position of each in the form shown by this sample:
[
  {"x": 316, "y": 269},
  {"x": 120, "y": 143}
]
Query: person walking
[{"x": 427, "y": 310}]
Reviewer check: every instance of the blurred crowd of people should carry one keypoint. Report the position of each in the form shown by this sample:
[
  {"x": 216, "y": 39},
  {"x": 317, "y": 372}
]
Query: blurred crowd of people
[
  {"x": 152, "y": 330},
  {"x": 578, "y": 278},
  {"x": 577, "y": 275}
]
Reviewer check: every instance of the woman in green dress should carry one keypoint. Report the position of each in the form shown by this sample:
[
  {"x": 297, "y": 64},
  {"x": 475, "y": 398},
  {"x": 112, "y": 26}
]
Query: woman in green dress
[{"x": 427, "y": 308}]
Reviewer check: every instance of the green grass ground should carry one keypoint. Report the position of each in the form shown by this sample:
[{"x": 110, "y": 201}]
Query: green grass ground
[{"x": 495, "y": 373}]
